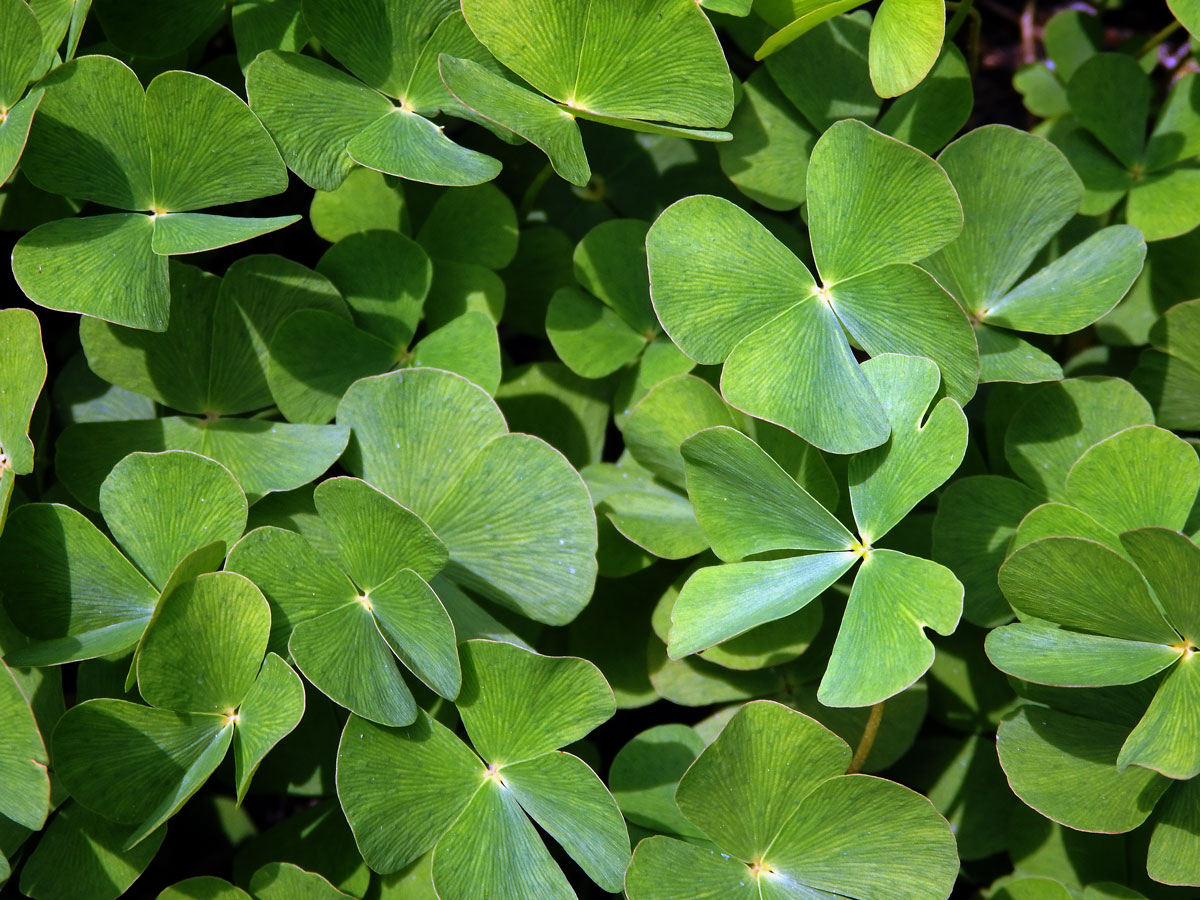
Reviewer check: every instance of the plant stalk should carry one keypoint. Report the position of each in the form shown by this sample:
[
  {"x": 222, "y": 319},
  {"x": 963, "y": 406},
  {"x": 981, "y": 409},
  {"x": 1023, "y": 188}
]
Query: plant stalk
[{"x": 867, "y": 740}]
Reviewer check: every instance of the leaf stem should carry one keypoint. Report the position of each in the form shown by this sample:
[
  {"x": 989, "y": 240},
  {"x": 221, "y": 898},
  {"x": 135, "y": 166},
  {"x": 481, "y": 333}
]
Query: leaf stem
[
  {"x": 1159, "y": 38},
  {"x": 867, "y": 740}
]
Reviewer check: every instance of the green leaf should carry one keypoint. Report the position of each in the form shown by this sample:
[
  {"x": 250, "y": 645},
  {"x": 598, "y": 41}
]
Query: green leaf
[
  {"x": 569, "y": 802},
  {"x": 80, "y": 597},
  {"x": 270, "y": 711},
  {"x": 406, "y": 144},
  {"x": 805, "y": 15},
  {"x": 412, "y": 620},
  {"x": 746, "y": 785},
  {"x": 82, "y": 855},
  {"x": 1060, "y": 520},
  {"x": 517, "y": 705},
  {"x": 128, "y": 26},
  {"x": 23, "y": 372},
  {"x": 538, "y": 560},
  {"x": 588, "y": 336},
  {"x": 670, "y": 413},
  {"x": 477, "y": 226},
  {"x": 161, "y": 506},
  {"x": 312, "y": 111},
  {"x": 645, "y": 773},
  {"x": 181, "y": 233},
  {"x": 76, "y": 153},
  {"x": 666, "y": 869},
  {"x": 1060, "y": 579},
  {"x": 365, "y": 201},
  {"x": 14, "y": 133},
  {"x": 263, "y": 456},
  {"x": 385, "y": 278},
  {"x": 805, "y": 349},
  {"x": 906, "y": 38},
  {"x": 549, "y": 127},
  {"x": 1165, "y": 740},
  {"x": 1173, "y": 848},
  {"x": 892, "y": 205},
  {"x": 1064, "y": 766},
  {"x": 286, "y": 881},
  {"x": 22, "y": 46},
  {"x": 747, "y": 504},
  {"x": 1005, "y": 357},
  {"x": 25, "y": 797},
  {"x": 1170, "y": 563},
  {"x": 1110, "y": 96},
  {"x": 1176, "y": 134},
  {"x": 720, "y": 602},
  {"x": 493, "y": 851},
  {"x": 610, "y": 262},
  {"x": 135, "y": 764},
  {"x": 1058, "y": 422},
  {"x": 273, "y": 25},
  {"x": 402, "y": 788},
  {"x": 652, "y": 515},
  {"x": 833, "y": 843},
  {"x": 922, "y": 453},
  {"x": 467, "y": 346},
  {"x": 207, "y": 147},
  {"x": 671, "y": 67},
  {"x": 203, "y": 650},
  {"x": 100, "y": 266},
  {"x": 1048, "y": 655},
  {"x": 895, "y": 597},
  {"x": 946, "y": 89},
  {"x": 1139, "y": 477}
]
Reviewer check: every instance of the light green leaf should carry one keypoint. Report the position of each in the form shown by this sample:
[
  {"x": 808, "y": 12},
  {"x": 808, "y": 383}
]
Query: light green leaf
[
  {"x": 717, "y": 274},
  {"x": 1176, "y": 134},
  {"x": 1163, "y": 204},
  {"x": 1139, "y": 477},
  {"x": 895, "y": 597},
  {"x": 135, "y": 764},
  {"x": 1060, "y": 520},
  {"x": 82, "y": 855},
  {"x": 720, "y": 602},
  {"x": 1048, "y": 655},
  {"x": 1165, "y": 740},
  {"x": 374, "y": 535},
  {"x": 68, "y": 588},
  {"x": 925, "y": 448},
  {"x": 1171, "y": 564},
  {"x": 312, "y": 111},
  {"x": 610, "y": 262},
  {"x": 477, "y": 226},
  {"x": 14, "y": 133},
  {"x": 22, "y": 372},
  {"x": 517, "y": 704},
  {"x": 652, "y": 515},
  {"x": 666, "y": 869},
  {"x": 588, "y": 336},
  {"x": 493, "y": 851},
  {"x": 112, "y": 166},
  {"x": 805, "y": 350},
  {"x": 24, "y": 785},
  {"x": 906, "y": 38},
  {"x": 412, "y": 620},
  {"x": 673, "y": 410},
  {"x": 1061, "y": 579},
  {"x": 263, "y": 456},
  {"x": 366, "y": 201},
  {"x": 100, "y": 266},
  {"x": 161, "y": 506},
  {"x": 467, "y": 346},
  {"x": 747, "y": 504},
  {"x": 549, "y": 127},
  {"x": 1110, "y": 96},
  {"x": 1174, "y": 856},
  {"x": 946, "y": 89},
  {"x": 833, "y": 843},
  {"x": 202, "y": 651},
  {"x": 1058, "y": 422},
  {"x": 1005, "y": 357},
  {"x": 180, "y": 233},
  {"x": 207, "y": 147},
  {"x": 569, "y": 802},
  {"x": 271, "y": 25},
  {"x": 402, "y": 788},
  {"x": 287, "y": 881},
  {"x": 892, "y": 204},
  {"x": 22, "y": 37},
  {"x": 671, "y": 67},
  {"x": 406, "y": 144},
  {"x": 344, "y": 654},
  {"x": 537, "y": 559},
  {"x": 385, "y": 278},
  {"x": 746, "y": 785},
  {"x": 1064, "y": 766},
  {"x": 270, "y": 711},
  {"x": 415, "y": 433},
  {"x": 805, "y": 15}
]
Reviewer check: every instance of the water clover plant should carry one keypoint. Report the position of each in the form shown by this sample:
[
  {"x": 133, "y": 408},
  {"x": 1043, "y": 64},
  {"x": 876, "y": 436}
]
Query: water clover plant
[
  {"x": 22, "y": 371},
  {"x": 747, "y": 505},
  {"x": 181, "y": 144},
  {"x": 410, "y": 791},
  {"x": 727, "y": 291},
  {"x": 784, "y": 819},
  {"x": 379, "y": 116}
]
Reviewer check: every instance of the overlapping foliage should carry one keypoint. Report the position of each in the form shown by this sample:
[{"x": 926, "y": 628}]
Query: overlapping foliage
[{"x": 647, "y": 447}]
